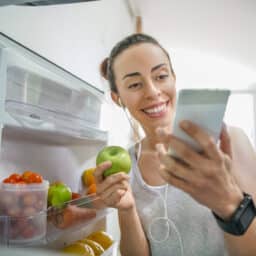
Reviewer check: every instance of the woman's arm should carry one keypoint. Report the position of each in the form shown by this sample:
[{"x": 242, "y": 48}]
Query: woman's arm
[
  {"x": 133, "y": 239},
  {"x": 216, "y": 177},
  {"x": 244, "y": 160},
  {"x": 115, "y": 192}
]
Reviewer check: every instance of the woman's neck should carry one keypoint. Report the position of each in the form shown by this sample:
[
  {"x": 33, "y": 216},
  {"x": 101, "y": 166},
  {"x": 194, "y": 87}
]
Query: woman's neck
[{"x": 151, "y": 138}]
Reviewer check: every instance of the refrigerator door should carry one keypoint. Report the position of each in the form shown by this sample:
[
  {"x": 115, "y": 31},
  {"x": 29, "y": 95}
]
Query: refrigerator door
[{"x": 51, "y": 124}]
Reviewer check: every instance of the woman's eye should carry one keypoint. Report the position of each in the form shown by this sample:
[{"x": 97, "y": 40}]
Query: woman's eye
[
  {"x": 162, "y": 77},
  {"x": 135, "y": 85}
]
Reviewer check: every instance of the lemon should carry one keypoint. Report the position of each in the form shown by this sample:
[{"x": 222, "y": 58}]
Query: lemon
[
  {"x": 101, "y": 237},
  {"x": 79, "y": 249},
  {"x": 97, "y": 248}
]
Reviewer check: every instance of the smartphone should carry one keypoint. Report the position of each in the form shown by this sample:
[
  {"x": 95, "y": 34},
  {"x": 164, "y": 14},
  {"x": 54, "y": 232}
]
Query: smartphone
[{"x": 204, "y": 107}]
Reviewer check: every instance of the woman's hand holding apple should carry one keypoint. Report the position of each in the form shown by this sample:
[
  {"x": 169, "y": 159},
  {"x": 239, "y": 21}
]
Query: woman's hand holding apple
[{"x": 114, "y": 190}]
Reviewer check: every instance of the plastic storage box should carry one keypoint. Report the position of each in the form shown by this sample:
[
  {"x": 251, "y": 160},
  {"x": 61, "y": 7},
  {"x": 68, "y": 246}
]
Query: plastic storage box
[
  {"x": 22, "y": 212},
  {"x": 22, "y": 225},
  {"x": 37, "y": 89}
]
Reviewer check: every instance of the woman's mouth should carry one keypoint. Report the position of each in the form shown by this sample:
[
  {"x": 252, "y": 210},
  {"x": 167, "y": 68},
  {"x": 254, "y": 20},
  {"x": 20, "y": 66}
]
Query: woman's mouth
[{"x": 157, "y": 110}]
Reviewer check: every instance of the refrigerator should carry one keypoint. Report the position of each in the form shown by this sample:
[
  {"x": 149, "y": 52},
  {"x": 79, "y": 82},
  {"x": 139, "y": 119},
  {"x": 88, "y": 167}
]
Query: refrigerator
[{"x": 51, "y": 123}]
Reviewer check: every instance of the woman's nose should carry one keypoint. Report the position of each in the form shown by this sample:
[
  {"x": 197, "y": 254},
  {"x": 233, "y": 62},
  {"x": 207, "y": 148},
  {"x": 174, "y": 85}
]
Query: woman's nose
[{"x": 151, "y": 89}]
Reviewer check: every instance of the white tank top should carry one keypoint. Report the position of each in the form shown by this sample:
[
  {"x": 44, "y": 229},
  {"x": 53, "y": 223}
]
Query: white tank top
[{"x": 193, "y": 228}]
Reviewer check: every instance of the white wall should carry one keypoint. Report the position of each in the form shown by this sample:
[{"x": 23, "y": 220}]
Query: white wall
[{"x": 74, "y": 36}]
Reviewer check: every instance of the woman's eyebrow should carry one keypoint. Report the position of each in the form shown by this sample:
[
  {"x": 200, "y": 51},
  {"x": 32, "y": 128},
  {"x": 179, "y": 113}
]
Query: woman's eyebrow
[
  {"x": 131, "y": 74},
  {"x": 138, "y": 74},
  {"x": 158, "y": 66}
]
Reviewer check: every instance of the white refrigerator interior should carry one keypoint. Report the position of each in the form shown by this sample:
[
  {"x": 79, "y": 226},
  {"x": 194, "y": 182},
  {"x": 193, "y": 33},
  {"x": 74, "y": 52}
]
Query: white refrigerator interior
[{"x": 50, "y": 124}]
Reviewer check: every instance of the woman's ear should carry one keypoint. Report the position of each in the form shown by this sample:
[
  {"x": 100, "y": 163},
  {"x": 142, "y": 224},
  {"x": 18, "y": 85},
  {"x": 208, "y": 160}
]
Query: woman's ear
[{"x": 116, "y": 98}]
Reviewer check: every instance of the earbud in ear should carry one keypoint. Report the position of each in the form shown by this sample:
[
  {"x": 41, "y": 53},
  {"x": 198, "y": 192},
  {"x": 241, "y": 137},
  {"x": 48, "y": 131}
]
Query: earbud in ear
[{"x": 120, "y": 102}]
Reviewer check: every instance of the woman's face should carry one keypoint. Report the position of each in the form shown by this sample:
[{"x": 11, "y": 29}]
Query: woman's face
[{"x": 146, "y": 85}]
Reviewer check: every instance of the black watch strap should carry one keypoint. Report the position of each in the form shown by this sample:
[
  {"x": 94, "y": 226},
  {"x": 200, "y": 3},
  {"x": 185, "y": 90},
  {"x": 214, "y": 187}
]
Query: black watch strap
[{"x": 241, "y": 219}]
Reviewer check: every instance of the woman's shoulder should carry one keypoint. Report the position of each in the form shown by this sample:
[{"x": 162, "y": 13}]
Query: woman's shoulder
[
  {"x": 244, "y": 159},
  {"x": 240, "y": 141}
]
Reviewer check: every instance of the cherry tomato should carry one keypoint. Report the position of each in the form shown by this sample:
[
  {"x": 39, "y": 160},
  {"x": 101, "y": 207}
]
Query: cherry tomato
[
  {"x": 15, "y": 178},
  {"x": 26, "y": 176},
  {"x": 6, "y": 180}
]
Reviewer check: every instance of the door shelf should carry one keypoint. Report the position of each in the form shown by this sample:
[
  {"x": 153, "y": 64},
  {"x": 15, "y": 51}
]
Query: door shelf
[
  {"x": 37, "y": 94},
  {"x": 52, "y": 124},
  {"x": 51, "y": 229}
]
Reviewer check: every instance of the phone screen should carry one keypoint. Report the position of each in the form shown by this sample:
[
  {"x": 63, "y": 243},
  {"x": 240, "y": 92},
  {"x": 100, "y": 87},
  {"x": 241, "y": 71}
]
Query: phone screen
[{"x": 204, "y": 107}]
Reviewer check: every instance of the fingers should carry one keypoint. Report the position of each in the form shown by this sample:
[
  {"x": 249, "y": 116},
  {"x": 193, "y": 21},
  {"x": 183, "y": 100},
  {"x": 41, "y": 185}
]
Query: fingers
[
  {"x": 98, "y": 173},
  {"x": 111, "y": 181},
  {"x": 112, "y": 188},
  {"x": 174, "y": 180},
  {"x": 225, "y": 141},
  {"x": 113, "y": 195},
  {"x": 175, "y": 168},
  {"x": 204, "y": 139},
  {"x": 187, "y": 154}
]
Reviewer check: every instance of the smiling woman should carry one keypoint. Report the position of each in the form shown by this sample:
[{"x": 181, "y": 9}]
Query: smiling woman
[{"x": 182, "y": 194}]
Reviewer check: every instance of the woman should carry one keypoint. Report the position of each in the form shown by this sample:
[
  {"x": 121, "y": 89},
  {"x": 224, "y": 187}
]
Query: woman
[{"x": 156, "y": 219}]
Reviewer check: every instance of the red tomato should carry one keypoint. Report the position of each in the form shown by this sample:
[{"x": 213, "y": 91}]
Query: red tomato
[
  {"x": 15, "y": 177},
  {"x": 32, "y": 177},
  {"x": 75, "y": 195},
  {"x": 26, "y": 176},
  {"x": 6, "y": 180}
]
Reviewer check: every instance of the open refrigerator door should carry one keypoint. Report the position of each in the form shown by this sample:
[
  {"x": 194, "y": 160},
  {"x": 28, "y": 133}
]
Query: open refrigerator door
[{"x": 50, "y": 124}]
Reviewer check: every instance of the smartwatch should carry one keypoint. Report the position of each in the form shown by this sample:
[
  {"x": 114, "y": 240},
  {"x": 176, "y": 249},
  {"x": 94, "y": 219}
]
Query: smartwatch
[{"x": 241, "y": 218}]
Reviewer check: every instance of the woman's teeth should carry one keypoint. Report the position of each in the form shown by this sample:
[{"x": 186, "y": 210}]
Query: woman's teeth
[{"x": 155, "y": 110}]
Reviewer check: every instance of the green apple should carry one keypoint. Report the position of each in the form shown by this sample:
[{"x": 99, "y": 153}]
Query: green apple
[
  {"x": 58, "y": 193},
  {"x": 120, "y": 158}
]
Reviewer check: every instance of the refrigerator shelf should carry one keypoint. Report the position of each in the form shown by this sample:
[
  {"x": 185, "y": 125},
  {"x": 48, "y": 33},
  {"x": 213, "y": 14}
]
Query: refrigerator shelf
[
  {"x": 37, "y": 94},
  {"x": 60, "y": 223},
  {"x": 35, "y": 118},
  {"x": 111, "y": 251}
]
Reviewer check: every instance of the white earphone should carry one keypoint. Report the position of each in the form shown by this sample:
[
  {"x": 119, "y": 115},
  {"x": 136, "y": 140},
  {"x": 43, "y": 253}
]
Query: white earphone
[{"x": 120, "y": 103}]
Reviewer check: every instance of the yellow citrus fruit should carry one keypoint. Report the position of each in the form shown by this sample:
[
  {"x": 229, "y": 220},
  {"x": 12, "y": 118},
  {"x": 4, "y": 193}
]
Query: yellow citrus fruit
[
  {"x": 97, "y": 248},
  {"x": 87, "y": 177},
  {"x": 101, "y": 237},
  {"x": 79, "y": 249}
]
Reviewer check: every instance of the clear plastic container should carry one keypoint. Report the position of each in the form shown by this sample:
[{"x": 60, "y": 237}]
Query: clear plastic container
[
  {"x": 76, "y": 215},
  {"x": 39, "y": 90},
  {"x": 51, "y": 227},
  {"x": 22, "y": 211},
  {"x": 40, "y": 95}
]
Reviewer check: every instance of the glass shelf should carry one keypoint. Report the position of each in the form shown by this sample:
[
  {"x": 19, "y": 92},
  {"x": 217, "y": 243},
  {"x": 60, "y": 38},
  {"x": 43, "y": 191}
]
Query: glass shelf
[
  {"x": 36, "y": 94},
  {"x": 44, "y": 227},
  {"x": 38, "y": 119}
]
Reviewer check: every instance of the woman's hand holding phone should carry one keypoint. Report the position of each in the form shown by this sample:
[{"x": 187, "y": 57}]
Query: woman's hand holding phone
[{"x": 207, "y": 175}]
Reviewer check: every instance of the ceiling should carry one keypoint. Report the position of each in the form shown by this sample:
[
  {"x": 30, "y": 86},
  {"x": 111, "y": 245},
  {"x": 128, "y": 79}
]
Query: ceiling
[{"x": 225, "y": 28}]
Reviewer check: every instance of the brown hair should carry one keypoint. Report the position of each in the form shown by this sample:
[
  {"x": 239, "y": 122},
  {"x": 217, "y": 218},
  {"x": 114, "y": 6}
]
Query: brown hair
[{"x": 106, "y": 68}]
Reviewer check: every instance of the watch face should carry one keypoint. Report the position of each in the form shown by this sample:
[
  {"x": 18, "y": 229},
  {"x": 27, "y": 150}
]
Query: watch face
[
  {"x": 248, "y": 215},
  {"x": 242, "y": 218}
]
